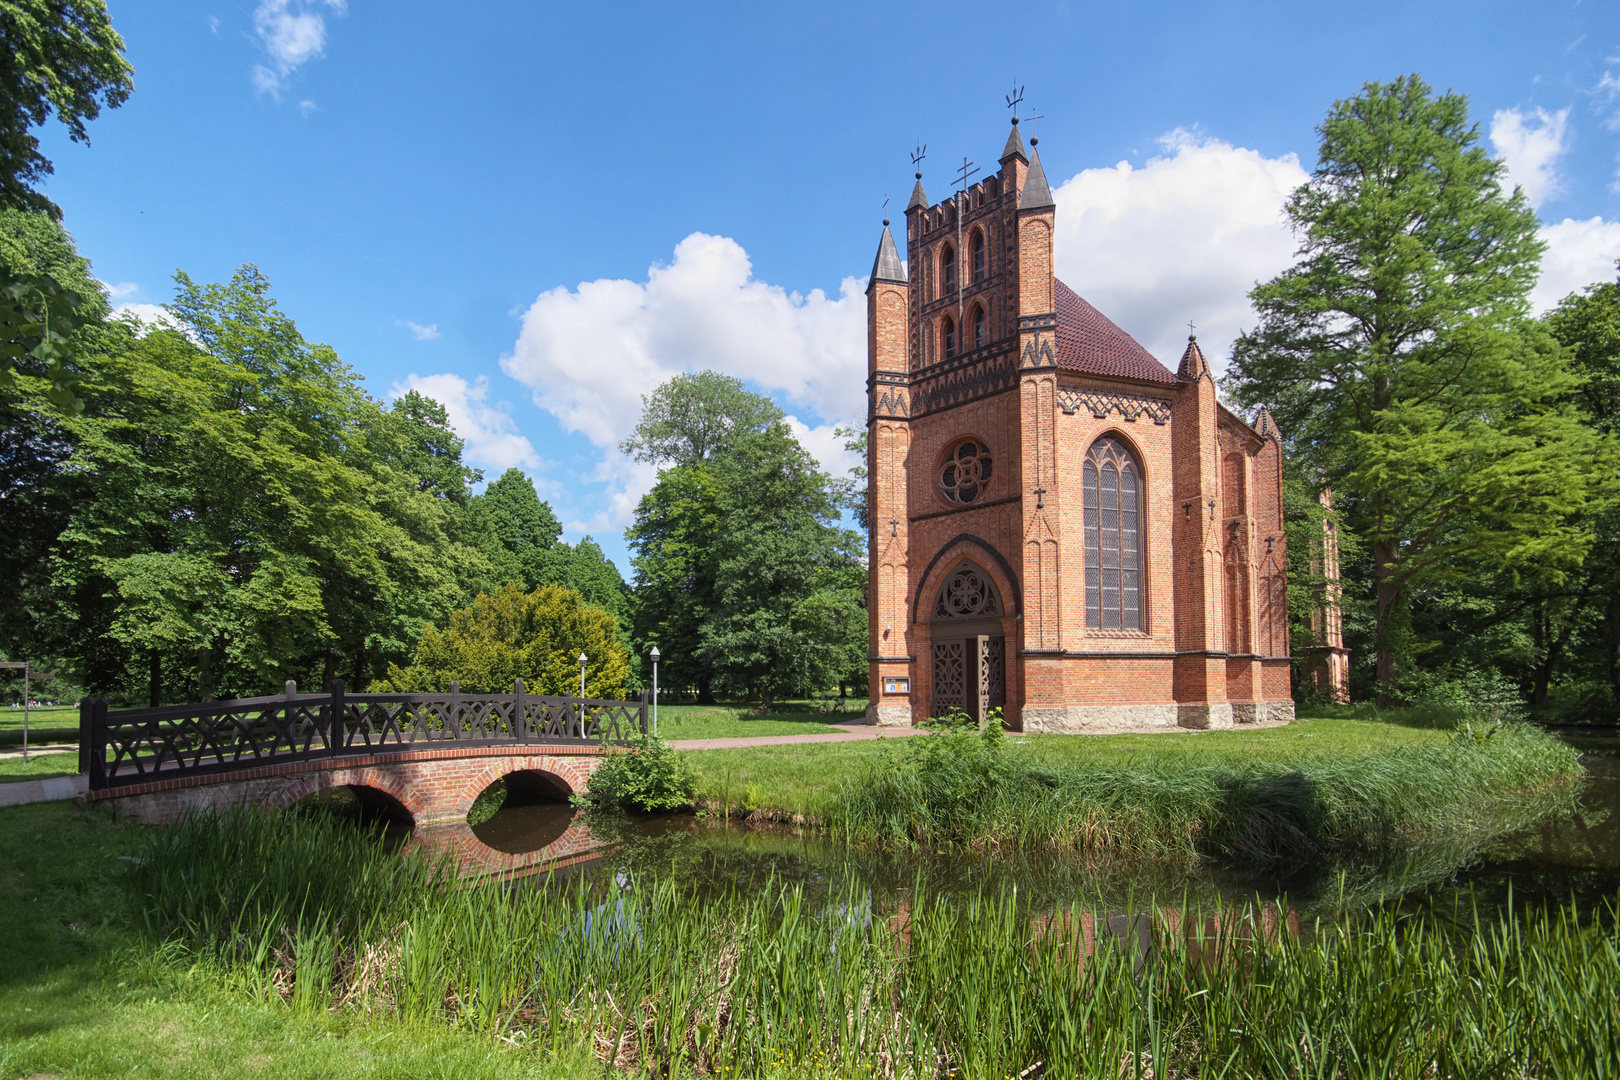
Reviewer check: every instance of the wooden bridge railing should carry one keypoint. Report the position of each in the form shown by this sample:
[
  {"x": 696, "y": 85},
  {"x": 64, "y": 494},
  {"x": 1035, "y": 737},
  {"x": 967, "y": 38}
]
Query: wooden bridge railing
[{"x": 132, "y": 746}]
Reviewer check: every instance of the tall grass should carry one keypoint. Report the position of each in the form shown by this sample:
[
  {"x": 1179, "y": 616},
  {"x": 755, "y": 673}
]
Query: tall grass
[
  {"x": 961, "y": 786},
  {"x": 649, "y": 978}
]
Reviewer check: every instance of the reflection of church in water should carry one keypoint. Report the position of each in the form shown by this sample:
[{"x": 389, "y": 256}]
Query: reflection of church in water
[{"x": 1061, "y": 525}]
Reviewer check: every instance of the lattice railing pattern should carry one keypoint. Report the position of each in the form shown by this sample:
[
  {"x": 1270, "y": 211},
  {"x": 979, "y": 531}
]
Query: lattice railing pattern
[{"x": 131, "y": 746}]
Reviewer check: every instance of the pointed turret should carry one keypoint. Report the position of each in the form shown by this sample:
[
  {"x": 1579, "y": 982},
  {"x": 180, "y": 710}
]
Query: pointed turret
[
  {"x": 1015, "y": 146},
  {"x": 1193, "y": 364},
  {"x": 919, "y": 200},
  {"x": 1036, "y": 195},
  {"x": 887, "y": 267},
  {"x": 1266, "y": 425}
]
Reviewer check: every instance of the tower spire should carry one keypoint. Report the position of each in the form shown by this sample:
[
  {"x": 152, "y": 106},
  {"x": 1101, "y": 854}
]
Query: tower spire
[
  {"x": 886, "y": 267},
  {"x": 1193, "y": 364},
  {"x": 1036, "y": 195}
]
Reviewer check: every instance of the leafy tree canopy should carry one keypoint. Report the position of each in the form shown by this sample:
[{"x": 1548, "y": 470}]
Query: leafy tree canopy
[
  {"x": 691, "y": 418},
  {"x": 56, "y": 56},
  {"x": 1398, "y": 358},
  {"x": 534, "y": 636}
]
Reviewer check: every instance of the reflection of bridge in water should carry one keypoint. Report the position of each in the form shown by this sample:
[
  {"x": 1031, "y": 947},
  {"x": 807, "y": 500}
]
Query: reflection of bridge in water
[{"x": 421, "y": 758}]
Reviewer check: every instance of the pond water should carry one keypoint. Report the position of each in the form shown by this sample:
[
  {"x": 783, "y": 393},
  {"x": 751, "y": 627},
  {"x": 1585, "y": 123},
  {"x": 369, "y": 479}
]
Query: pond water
[{"x": 1572, "y": 853}]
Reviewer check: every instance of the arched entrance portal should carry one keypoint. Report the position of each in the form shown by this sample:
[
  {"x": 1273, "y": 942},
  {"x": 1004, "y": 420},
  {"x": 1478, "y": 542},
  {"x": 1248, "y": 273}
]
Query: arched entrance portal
[{"x": 970, "y": 651}]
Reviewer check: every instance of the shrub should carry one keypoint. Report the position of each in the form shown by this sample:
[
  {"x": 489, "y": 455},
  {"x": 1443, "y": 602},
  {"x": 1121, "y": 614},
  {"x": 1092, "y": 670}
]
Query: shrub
[
  {"x": 512, "y": 634},
  {"x": 649, "y": 775}
]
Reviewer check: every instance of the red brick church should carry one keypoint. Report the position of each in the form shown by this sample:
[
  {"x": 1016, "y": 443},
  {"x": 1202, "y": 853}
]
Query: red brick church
[{"x": 1061, "y": 525}]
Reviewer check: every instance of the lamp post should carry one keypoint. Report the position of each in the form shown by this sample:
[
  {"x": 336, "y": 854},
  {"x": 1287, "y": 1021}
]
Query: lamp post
[
  {"x": 654, "y": 657},
  {"x": 582, "y": 692},
  {"x": 28, "y": 673}
]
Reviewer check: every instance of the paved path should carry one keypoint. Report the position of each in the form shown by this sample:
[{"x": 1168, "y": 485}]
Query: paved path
[
  {"x": 52, "y": 790},
  {"x": 51, "y": 748},
  {"x": 851, "y": 733}
]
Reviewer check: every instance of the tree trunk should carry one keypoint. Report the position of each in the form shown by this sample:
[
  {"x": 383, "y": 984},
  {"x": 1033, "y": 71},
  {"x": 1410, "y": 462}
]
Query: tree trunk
[
  {"x": 1549, "y": 665},
  {"x": 205, "y": 673},
  {"x": 154, "y": 678},
  {"x": 705, "y": 692},
  {"x": 1389, "y": 595},
  {"x": 328, "y": 669},
  {"x": 359, "y": 680},
  {"x": 1611, "y": 626}
]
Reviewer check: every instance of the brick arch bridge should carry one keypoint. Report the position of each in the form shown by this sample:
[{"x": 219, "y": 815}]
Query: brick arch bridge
[{"x": 426, "y": 755}]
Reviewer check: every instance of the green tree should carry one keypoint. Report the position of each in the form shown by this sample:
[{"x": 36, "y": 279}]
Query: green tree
[
  {"x": 673, "y": 544},
  {"x": 34, "y": 445},
  {"x": 536, "y": 636},
  {"x": 1587, "y": 324},
  {"x": 692, "y": 418},
  {"x": 523, "y": 524},
  {"x": 1397, "y": 355},
  {"x": 239, "y": 515},
  {"x": 56, "y": 56},
  {"x": 787, "y": 578}
]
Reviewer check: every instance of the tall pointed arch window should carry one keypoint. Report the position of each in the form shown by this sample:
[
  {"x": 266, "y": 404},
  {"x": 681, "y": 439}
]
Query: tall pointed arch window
[
  {"x": 981, "y": 327},
  {"x": 947, "y": 270},
  {"x": 1113, "y": 525},
  {"x": 948, "y": 332},
  {"x": 977, "y": 248}
]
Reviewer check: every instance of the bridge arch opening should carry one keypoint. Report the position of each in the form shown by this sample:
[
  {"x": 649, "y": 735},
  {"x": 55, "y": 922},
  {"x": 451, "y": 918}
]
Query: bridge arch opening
[
  {"x": 523, "y": 811},
  {"x": 367, "y": 807}
]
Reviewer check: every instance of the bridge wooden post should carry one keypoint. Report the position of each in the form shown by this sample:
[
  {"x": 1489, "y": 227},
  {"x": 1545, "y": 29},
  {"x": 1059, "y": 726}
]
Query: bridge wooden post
[
  {"x": 453, "y": 719},
  {"x": 334, "y": 730},
  {"x": 93, "y": 740},
  {"x": 517, "y": 709}
]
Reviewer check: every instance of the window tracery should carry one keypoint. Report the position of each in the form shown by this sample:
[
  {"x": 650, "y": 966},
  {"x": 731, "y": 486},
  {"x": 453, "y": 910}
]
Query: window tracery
[
  {"x": 967, "y": 594},
  {"x": 965, "y": 472},
  {"x": 1112, "y": 514}
]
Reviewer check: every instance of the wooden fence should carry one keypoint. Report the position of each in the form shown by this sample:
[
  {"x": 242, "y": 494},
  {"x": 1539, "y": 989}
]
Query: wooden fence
[{"x": 136, "y": 745}]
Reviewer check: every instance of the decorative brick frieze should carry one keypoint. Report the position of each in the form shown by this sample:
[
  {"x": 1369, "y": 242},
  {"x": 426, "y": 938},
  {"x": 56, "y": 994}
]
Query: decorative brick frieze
[{"x": 1103, "y": 404}]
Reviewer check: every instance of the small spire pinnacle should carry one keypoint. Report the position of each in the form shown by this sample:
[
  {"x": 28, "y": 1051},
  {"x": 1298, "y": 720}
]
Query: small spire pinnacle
[
  {"x": 1015, "y": 146},
  {"x": 1193, "y": 364},
  {"x": 1036, "y": 194},
  {"x": 887, "y": 267}
]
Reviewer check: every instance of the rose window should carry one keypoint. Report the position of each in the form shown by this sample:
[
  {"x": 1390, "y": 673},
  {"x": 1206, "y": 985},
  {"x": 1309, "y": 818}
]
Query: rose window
[
  {"x": 967, "y": 594},
  {"x": 966, "y": 471}
]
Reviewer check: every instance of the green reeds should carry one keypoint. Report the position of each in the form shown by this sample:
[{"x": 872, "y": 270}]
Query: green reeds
[
  {"x": 650, "y": 978},
  {"x": 962, "y": 787}
]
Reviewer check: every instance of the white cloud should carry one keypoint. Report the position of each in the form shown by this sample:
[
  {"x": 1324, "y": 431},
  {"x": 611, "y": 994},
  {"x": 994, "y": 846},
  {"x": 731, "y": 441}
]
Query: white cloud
[
  {"x": 590, "y": 353},
  {"x": 825, "y": 445},
  {"x": 151, "y": 317},
  {"x": 1609, "y": 87},
  {"x": 1579, "y": 253},
  {"x": 1183, "y": 237},
  {"x": 429, "y": 332},
  {"x": 120, "y": 290},
  {"x": 292, "y": 32},
  {"x": 1530, "y": 143},
  {"x": 491, "y": 434}
]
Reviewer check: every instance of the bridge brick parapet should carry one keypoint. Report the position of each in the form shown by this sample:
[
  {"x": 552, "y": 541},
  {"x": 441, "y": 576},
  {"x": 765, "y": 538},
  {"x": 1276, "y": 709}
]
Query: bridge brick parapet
[{"x": 434, "y": 786}]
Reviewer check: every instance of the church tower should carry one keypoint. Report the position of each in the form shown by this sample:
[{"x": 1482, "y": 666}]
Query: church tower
[{"x": 1061, "y": 527}]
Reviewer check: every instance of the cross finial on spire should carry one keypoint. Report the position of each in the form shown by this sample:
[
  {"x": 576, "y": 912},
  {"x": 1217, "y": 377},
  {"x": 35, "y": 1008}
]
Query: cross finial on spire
[
  {"x": 1191, "y": 336},
  {"x": 917, "y": 157},
  {"x": 967, "y": 170}
]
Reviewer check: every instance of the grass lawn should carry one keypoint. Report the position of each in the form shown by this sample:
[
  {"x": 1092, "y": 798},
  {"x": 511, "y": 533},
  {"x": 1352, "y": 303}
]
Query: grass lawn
[
  {"x": 739, "y": 722},
  {"x": 81, "y": 996},
  {"x": 38, "y": 767},
  {"x": 52, "y": 724},
  {"x": 801, "y": 779}
]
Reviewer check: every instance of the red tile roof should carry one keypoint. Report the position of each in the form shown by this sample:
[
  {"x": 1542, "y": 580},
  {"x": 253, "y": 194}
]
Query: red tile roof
[{"x": 1088, "y": 343}]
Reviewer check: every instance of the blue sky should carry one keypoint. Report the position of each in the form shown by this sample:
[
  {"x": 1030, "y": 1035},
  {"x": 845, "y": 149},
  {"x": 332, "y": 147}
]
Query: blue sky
[{"x": 536, "y": 212}]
